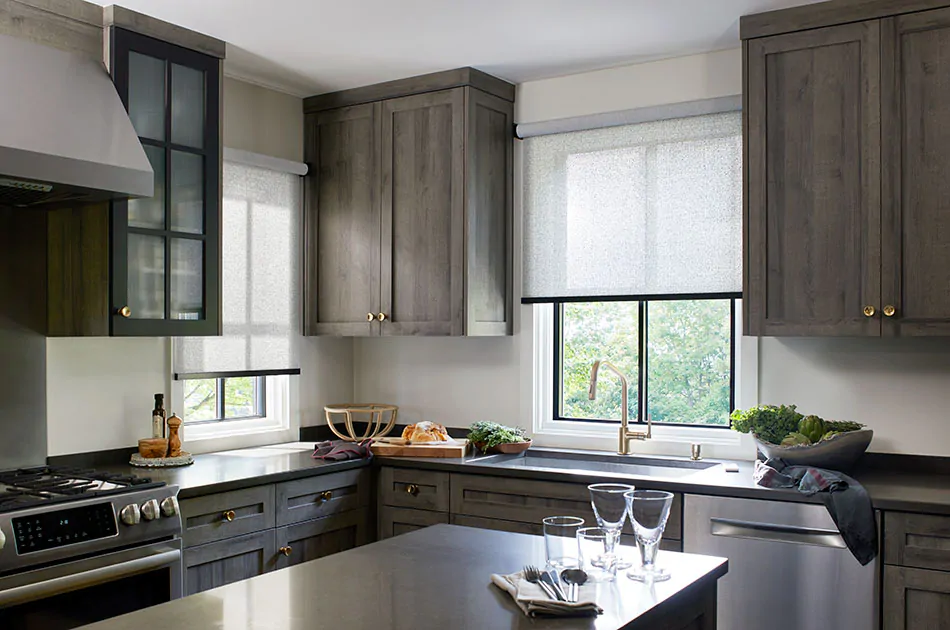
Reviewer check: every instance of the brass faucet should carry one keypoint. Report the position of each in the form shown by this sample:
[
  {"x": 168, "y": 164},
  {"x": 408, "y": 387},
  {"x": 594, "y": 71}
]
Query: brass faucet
[{"x": 626, "y": 435}]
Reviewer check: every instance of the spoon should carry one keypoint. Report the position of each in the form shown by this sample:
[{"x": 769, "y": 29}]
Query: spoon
[{"x": 575, "y": 578}]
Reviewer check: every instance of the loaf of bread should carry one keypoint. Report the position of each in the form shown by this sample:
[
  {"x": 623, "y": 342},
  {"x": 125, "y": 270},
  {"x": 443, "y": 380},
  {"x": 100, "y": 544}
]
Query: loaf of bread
[{"x": 425, "y": 432}]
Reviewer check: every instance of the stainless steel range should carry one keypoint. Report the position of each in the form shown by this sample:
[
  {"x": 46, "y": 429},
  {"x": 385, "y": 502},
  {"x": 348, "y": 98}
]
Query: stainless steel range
[{"x": 79, "y": 546}]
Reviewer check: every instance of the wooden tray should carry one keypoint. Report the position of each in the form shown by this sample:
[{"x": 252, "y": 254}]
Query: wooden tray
[{"x": 397, "y": 447}]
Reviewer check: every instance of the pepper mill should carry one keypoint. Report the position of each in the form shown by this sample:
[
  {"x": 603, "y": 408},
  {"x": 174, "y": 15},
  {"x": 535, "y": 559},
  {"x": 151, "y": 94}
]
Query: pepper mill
[{"x": 174, "y": 441}]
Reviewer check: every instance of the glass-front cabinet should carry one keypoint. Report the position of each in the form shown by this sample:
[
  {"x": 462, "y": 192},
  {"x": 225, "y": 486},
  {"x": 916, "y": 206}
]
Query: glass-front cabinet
[{"x": 166, "y": 249}]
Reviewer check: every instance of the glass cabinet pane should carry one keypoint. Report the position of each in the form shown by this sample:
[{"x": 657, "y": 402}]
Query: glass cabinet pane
[
  {"x": 187, "y": 192},
  {"x": 147, "y": 95},
  {"x": 187, "y": 278},
  {"x": 149, "y": 212},
  {"x": 188, "y": 106},
  {"x": 146, "y": 276}
]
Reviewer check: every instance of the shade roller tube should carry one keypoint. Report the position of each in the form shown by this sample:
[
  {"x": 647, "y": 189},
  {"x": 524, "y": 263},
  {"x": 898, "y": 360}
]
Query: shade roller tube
[
  {"x": 647, "y": 209},
  {"x": 685, "y": 109},
  {"x": 261, "y": 231}
]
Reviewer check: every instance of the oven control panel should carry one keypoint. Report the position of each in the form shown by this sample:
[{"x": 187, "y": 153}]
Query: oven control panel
[{"x": 59, "y": 528}]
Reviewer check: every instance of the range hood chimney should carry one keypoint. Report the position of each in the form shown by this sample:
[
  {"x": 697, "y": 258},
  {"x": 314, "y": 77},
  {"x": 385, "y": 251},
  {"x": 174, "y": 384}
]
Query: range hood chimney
[{"x": 64, "y": 134}]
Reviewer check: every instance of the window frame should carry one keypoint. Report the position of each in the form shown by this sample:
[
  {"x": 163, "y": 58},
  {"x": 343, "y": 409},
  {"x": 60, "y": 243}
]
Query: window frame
[
  {"x": 643, "y": 327},
  {"x": 260, "y": 402}
]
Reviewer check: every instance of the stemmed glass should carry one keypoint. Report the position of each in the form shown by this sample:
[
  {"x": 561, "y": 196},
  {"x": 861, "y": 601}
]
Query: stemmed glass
[
  {"x": 649, "y": 511},
  {"x": 610, "y": 508}
]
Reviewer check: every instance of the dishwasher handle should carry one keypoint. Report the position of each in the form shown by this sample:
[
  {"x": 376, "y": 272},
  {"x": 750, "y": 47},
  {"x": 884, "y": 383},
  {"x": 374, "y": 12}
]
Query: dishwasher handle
[{"x": 777, "y": 533}]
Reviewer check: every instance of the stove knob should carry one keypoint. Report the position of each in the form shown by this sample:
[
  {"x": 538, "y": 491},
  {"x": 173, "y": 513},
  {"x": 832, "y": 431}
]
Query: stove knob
[
  {"x": 150, "y": 510},
  {"x": 170, "y": 506},
  {"x": 3, "y": 539},
  {"x": 130, "y": 514}
]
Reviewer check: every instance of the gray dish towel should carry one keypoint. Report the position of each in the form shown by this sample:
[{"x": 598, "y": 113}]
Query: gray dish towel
[
  {"x": 845, "y": 499},
  {"x": 338, "y": 450}
]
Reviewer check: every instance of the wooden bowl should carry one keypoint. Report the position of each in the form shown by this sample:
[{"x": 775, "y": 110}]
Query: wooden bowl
[
  {"x": 151, "y": 448},
  {"x": 512, "y": 448}
]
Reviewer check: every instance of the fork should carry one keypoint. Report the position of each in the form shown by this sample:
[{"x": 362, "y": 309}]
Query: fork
[{"x": 533, "y": 575}]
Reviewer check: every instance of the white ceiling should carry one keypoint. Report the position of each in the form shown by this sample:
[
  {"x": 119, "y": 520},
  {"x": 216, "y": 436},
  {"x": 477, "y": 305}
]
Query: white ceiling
[{"x": 309, "y": 47}]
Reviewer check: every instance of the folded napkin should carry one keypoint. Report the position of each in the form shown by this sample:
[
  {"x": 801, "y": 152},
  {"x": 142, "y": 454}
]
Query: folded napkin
[
  {"x": 338, "y": 450},
  {"x": 532, "y": 599}
]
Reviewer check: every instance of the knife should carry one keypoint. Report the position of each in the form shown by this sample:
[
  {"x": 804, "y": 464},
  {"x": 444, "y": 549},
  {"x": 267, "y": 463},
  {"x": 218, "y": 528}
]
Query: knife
[{"x": 551, "y": 581}]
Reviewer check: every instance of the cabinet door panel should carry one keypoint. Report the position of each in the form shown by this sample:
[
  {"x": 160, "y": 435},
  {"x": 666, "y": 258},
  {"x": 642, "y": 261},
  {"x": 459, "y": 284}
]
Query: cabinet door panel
[
  {"x": 231, "y": 560},
  {"x": 813, "y": 182},
  {"x": 915, "y": 599},
  {"x": 310, "y": 540},
  {"x": 423, "y": 212},
  {"x": 343, "y": 222},
  {"x": 916, "y": 133},
  {"x": 396, "y": 521}
]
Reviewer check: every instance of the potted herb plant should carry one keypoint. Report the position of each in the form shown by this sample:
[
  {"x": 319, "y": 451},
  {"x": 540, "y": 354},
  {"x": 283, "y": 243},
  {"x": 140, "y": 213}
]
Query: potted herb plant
[{"x": 491, "y": 437}]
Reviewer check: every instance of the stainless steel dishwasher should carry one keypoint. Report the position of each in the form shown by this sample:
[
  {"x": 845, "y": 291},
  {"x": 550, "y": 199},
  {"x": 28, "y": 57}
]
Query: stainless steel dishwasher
[{"x": 789, "y": 568}]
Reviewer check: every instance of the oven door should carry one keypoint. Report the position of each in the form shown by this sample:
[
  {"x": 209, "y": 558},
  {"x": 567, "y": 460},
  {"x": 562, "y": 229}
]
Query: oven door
[{"x": 72, "y": 594}]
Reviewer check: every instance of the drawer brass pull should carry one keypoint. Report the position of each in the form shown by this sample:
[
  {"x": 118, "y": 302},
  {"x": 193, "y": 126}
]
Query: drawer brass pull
[
  {"x": 286, "y": 551},
  {"x": 381, "y": 317},
  {"x": 412, "y": 489},
  {"x": 889, "y": 310},
  {"x": 370, "y": 317},
  {"x": 125, "y": 311},
  {"x": 326, "y": 495},
  {"x": 869, "y": 311},
  {"x": 229, "y": 515}
]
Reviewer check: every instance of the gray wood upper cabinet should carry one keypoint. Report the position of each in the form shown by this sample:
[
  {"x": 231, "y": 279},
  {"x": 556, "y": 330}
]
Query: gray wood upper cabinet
[
  {"x": 916, "y": 186},
  {"x": 812, "y": 202},
  {"x": 847, "y": 132},
  {"x": 409, "y": 210}
]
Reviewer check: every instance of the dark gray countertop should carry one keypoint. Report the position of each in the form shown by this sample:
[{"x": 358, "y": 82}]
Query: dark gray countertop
[
  {"x": 430, "y": 579},
  {"x": 244, "y": 468},
  {"x": 231, "y": 470}
]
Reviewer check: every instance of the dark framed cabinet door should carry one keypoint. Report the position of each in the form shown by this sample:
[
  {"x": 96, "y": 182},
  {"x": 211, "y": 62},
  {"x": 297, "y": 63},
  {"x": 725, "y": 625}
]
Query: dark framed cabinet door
[
  {"x": 303, "y": 542},
  {"x": 813, "y": 168},
  {"x": 343, "y": 222},
  {"x": 423, "y": 214},
  {"x": 228, "y": 561},
  {"x": 916, "y": 133},
  {"x": 915, "y": 599},
  {"x": 166, "y": 250}
]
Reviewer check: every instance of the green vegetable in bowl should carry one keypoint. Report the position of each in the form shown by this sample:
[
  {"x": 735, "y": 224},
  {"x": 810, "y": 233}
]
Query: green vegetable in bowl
[
  {"x": 796, "y": 439},
  {"x": 489, "y": 434},
  {"x": 767, "y": 422},
  {"x": 842, "y": 426},
  {"x": 812, "y": 427}
]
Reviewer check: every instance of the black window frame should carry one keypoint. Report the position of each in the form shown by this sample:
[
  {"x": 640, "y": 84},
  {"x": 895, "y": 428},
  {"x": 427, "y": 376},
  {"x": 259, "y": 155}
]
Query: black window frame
[
  {"x": 260, "y": 404},
  {"x": 643, "y": 326}
]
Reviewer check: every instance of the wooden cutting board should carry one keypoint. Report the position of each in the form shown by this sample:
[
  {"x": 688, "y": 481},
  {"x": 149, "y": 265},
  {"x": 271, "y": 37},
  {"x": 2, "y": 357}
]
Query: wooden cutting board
[{"x": 397, "y": 447}]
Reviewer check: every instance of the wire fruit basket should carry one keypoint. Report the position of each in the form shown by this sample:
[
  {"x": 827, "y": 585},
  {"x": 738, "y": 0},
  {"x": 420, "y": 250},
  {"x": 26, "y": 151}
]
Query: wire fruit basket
[{"x": 378, "y": 418}]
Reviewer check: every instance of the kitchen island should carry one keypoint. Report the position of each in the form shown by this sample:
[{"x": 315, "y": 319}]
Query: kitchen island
[{"x": 432, "y": 579}]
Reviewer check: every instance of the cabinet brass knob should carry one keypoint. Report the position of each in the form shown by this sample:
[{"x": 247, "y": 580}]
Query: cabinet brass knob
[
  {"x": 370, "y": 317},
  {"x": 381, "y": 317},
  {"x": 869, "y": 311},
  {"x": 412, "y": 489},
  {"x": 326, "y": 495},
  {"x": 125, "y": 312},
  {"x": 286, "y": 551},
  {"x": 889, "y": 310},
  {"x": 229, "y": 515}
]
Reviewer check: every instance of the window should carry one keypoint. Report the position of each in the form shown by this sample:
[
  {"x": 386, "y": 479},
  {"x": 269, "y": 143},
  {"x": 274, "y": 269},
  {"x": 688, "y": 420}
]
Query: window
[
  {"x": 223, "y": 399},
  {"x": 677, "y": 355},
  {"x": 633, "y": 256}
]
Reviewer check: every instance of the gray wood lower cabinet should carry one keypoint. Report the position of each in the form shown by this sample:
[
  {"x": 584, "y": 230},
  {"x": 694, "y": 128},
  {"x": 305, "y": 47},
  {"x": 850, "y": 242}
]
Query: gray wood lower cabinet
[
  {"x": 916, "y": 599},
  {"x": 227, "y": 514},
  {"x": 394, "y": 521},
  {"x": 230, "y": 560},
  {"x": 310, "y": 540}
]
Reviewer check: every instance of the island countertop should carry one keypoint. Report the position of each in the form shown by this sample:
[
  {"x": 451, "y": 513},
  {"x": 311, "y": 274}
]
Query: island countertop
[{"x": 429, "y": 579}]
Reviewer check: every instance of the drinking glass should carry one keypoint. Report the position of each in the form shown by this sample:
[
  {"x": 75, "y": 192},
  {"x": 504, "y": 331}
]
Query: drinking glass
[
  {"x": 610, "y": 508},
  {"x": 649, "y": 511},
  {"x": 592, "y": 543},
  {"x": 560, "y": 541}
]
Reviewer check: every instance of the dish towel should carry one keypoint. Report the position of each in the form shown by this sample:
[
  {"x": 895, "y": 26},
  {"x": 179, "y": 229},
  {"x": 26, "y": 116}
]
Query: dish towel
[
  {"x": 533, "y": 601},
  {"x": 845, "y": 499},
  {"x": 338, "y": 450}
]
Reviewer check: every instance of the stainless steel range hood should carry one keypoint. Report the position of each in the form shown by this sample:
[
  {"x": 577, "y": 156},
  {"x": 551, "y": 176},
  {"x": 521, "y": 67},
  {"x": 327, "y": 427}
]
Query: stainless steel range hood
[{"x": 64, "y": 133}]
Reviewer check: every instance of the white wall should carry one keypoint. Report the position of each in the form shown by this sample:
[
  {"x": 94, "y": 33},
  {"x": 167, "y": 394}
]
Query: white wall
[
  {"x": 100, "y": 390},
  {"x": 898, "y": 387}
]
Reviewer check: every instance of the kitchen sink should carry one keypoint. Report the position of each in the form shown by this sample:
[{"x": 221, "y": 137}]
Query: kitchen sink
[{"x": 562, "y": 460}]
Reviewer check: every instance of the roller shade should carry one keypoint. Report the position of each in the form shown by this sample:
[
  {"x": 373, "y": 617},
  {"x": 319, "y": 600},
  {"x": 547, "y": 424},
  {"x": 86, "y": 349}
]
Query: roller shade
[
  {"x": 653, "y": 208},
  {"x": 261, "y": 226}
]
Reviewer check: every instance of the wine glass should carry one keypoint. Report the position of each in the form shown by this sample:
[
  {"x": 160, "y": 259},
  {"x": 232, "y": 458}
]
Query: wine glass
[
  {"x": 649, "y": 511},
  {"x": 610, "y": 508}
]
